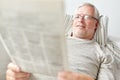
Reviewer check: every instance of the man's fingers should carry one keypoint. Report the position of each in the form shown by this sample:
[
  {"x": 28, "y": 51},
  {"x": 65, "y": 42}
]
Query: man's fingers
[
  {"x": 17, "y": 74},
  {"x": 9, "y": 78},
  {"x": 10, "y": 73},
  {"x": 13, "y": 67},
  {"x": 13, "y": 78},
  {"x": 22, "y": 75}
]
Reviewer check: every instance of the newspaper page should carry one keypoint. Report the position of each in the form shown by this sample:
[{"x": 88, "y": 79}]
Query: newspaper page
[{"x": 32, "y": 32}]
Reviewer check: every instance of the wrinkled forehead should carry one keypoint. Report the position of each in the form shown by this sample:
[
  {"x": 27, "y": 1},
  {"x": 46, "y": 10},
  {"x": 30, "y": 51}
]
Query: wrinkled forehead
[{"x": 85, "y": 10}]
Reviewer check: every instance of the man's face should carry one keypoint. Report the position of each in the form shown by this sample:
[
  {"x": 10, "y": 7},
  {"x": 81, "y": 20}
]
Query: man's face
[{"x": 84, "y": 23}]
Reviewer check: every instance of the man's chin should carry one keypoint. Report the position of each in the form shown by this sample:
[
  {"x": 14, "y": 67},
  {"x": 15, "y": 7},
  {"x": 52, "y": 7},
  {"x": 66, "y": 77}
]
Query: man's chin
[{"x": 82, "y": 34}]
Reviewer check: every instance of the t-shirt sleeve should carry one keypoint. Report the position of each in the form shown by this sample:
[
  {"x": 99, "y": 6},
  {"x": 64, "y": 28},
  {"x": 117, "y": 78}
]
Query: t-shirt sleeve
[{"x": 106, "y": 71}]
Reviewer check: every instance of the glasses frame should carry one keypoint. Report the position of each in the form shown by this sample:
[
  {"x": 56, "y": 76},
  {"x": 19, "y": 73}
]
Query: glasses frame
[{"x": 84, "y": 17}]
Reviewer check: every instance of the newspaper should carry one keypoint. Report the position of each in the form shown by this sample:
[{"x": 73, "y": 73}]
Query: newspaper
[{"x": 32, "y": 32}]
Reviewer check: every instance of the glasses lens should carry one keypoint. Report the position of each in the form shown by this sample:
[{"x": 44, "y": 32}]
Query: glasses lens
[{"x": 87, "y": 17}]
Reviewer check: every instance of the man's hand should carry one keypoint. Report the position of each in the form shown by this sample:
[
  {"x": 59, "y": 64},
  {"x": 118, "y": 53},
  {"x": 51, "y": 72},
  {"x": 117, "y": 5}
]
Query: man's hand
[
  {"x": 67, "y": 75},
  {"x": 14, "y": 73}
]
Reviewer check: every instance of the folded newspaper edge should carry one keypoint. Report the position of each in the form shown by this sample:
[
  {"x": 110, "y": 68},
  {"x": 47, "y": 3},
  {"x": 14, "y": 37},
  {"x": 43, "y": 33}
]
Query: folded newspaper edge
[{"x": 6, "y": 48}]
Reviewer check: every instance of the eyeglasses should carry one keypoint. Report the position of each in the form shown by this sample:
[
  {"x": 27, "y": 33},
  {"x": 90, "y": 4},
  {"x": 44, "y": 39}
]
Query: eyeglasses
[{"x": 85, "y": 17}]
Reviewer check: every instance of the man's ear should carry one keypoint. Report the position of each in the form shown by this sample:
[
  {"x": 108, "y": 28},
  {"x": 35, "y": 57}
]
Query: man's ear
[{"x": 97, "y": 24}]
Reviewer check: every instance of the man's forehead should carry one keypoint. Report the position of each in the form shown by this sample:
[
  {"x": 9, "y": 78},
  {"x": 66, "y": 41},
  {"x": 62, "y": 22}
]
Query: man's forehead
[{"x": 85, "y": 10}]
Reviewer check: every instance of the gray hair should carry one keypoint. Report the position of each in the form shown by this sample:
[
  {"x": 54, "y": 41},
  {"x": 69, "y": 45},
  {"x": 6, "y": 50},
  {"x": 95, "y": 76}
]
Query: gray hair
[{"x": 91, "y": 5}]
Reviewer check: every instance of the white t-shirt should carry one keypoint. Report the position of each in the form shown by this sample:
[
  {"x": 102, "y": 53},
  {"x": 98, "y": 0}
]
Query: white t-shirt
[{"x": 85, "y": 56}]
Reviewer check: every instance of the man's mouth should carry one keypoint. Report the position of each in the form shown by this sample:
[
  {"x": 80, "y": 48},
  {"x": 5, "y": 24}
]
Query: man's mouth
[{"x": 81, "y": 26}]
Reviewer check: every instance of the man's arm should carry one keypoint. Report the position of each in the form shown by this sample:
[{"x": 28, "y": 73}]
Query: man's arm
[
  {"x": 14, "y": 73},
  {"x": 67, "y": 75}
]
